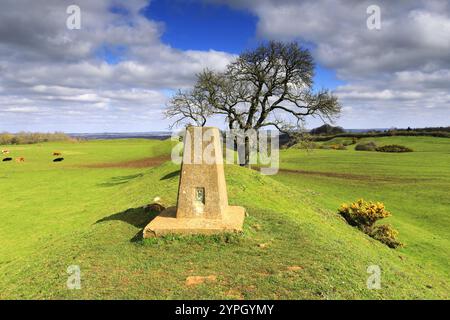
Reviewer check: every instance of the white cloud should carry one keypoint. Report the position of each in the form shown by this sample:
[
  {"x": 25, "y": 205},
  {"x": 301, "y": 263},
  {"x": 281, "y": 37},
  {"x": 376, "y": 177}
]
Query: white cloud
[
  {"x": 21, "y": 109},
  {"x": 403, "y": 68},
  {"x": 61, "y": 74},
  {"x": 55, "y": 78}
]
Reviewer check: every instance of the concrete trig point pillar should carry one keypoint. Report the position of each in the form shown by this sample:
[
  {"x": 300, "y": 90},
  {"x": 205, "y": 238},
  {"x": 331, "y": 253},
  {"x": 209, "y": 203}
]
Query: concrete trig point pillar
[{"x": 202, "y": 206}]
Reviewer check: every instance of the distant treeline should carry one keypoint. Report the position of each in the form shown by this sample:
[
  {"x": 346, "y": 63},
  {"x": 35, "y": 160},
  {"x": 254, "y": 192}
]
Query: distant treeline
[
  {"x": 388, "y": 133},
  {"x": 32, "y": 137},
  {"x": 323, "y": 134},
  {"x": 428, "y": 129}
]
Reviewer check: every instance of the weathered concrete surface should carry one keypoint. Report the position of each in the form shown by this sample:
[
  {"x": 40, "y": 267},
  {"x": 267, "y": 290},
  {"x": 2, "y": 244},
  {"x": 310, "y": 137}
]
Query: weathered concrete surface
[
  {"x": 167, "y": 223},
  {"x": 202, "y": 168},
  {"x": 202, "y": 206}
]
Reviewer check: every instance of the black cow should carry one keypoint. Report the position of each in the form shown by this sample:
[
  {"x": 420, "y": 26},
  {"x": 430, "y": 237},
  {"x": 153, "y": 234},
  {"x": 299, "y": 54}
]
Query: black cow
[
  {"x": 7, "y": 159},
  {"x": 58, "y": 159}
]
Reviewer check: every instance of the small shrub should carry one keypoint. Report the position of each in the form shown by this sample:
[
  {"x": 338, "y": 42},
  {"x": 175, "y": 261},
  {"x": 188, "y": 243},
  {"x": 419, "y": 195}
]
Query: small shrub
[
  {"x": 336, "y": 146},
  {"x": 350, "y": 142},
  {"x": 387, "y": 235},
  {"x": 367, "y": 146},
  {"x": 306, "y": 145},
  {"x": 363, "y": 215},
  {"x": 393, "y": 148}
]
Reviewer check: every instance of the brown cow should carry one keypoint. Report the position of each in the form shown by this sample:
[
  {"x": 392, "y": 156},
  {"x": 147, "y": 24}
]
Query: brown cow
[
  {"x": 20, "y": 159},
  {"x": 57, "y": 154},
  {"x": 5, "y": 151}
]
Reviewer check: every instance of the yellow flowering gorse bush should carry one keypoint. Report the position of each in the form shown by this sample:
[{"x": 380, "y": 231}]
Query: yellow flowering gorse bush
[
  {"x": 386, "y": 234},
  {"x": 364, "y": 214}
]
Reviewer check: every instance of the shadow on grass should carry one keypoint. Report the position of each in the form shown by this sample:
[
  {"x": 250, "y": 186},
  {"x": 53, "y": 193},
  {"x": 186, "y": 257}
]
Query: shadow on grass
[
  {"x": 138, "y": 217},
  {"x": 115, "y": 181},
  {"x": 171, "y": 175}
]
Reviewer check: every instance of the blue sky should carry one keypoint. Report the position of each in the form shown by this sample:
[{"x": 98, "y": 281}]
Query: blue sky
[
  {"x": 192, "y": 25},
  {"x": 198, "y": 26},
  {"x": 118, "y": 71}
]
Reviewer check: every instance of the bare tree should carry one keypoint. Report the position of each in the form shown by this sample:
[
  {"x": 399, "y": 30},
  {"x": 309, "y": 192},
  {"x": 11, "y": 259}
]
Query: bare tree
[
  {"x": 188, "y": 106},
  {"x": 271, "y": 85}
]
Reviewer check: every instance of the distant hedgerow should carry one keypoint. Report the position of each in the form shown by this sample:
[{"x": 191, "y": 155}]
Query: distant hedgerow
[
  {"x": 32, "y": 137},
  {"x": 363, "y": 215}
]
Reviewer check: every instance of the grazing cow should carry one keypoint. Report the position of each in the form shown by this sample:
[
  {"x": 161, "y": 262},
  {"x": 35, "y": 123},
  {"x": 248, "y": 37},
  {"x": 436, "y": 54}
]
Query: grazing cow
[
  {"x": 20, "y": 159},
  {"x": 7, "y": 159},
  {"x": 5, "y": 151},
  {"x": 57, "y": 154},
  {"x": 58, "y": 159}
]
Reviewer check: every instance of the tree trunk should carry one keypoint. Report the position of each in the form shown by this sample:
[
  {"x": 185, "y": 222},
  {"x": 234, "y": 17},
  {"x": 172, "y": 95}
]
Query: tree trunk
[
  {"x": 244, "y": 154},
  {"x": 247, "y": 152}
]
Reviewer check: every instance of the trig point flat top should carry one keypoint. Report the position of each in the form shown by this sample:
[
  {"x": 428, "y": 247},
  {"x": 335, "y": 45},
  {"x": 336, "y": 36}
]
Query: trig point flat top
[{"x": 202, "y": 205}]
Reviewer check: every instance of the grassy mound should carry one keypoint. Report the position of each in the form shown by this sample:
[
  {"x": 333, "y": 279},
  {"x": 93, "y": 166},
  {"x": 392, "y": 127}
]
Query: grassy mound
[{"x": 295, "y": 245}]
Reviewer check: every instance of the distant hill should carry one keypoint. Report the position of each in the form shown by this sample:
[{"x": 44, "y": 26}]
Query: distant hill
[
  {"x": 366, "y": 130},
  {"x": 159, "y": 135}
]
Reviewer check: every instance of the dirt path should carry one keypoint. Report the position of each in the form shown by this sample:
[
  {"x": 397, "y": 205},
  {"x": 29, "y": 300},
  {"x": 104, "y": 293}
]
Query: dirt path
[
  {"x": 348, "y": 176},
  {"x": 140, "y": 163},
  {"x": 351, "y": 176}
]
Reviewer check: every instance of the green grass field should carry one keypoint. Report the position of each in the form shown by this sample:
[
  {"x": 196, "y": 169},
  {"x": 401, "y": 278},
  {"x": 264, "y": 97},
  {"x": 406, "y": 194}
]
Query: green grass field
[{"x": 78, "y": 212}]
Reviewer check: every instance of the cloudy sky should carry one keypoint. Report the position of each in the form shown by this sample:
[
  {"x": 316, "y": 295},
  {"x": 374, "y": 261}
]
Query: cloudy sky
[{"x": 117, "y": 72}]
